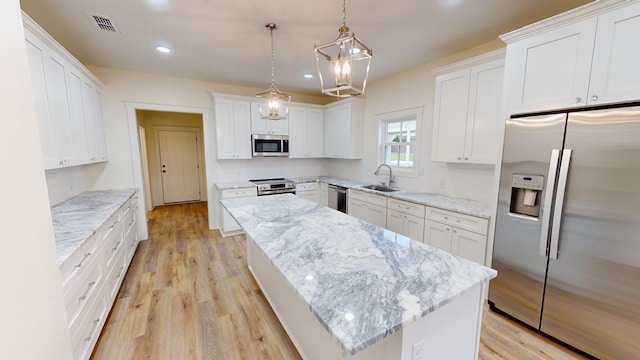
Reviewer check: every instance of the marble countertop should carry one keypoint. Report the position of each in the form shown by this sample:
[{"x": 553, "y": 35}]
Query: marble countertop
[
  {"x": 76, "y": 219},
  {"x": 361, "y": 281},
  {"x": 463, "y": 206},
  {"x": 235, "y": 185}
]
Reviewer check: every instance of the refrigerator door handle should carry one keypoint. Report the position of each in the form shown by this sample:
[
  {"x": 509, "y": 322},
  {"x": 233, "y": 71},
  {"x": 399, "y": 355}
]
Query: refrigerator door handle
[
  {"x": 548, "y": 199},
  {"x": 557, "y": 213}
]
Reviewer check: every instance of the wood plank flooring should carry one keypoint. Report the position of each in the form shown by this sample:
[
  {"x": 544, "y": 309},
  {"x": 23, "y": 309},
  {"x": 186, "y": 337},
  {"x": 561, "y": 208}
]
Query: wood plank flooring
[{"x": 189, "y": 295}]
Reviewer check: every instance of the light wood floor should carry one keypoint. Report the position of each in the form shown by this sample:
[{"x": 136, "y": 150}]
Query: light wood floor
[{"x": 189, "y": 295}]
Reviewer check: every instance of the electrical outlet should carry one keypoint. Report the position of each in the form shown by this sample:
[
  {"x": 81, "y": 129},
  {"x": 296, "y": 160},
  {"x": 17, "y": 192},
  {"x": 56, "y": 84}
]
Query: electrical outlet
[{"x": 418, "y": 350}]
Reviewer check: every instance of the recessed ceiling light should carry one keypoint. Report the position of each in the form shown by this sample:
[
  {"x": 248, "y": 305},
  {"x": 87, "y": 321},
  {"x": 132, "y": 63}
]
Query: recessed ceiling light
[
  {"x": 163, "y": 49},
  {"x": 308, "y": 76}
]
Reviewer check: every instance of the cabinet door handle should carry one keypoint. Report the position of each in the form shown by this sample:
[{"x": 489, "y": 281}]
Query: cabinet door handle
[
  {"x": 95, "y": 325},
  {"x": 89, "y": 286},
  {"x": 594, "y": 98},
  {"x": 82, "y": 261},
  {"x": 578, "y": 100}
]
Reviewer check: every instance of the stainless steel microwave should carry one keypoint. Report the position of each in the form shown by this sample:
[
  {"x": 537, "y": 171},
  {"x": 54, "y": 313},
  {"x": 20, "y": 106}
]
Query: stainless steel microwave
[{"x": 270, "y": 145}]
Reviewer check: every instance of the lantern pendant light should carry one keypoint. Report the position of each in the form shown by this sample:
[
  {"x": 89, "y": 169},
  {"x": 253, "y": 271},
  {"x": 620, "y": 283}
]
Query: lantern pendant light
[
  {"x": 275, "y": 104},
  {"x": 343, "y": 64}
]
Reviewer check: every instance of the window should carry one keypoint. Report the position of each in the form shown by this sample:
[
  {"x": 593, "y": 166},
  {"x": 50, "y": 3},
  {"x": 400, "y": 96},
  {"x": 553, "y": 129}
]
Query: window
[{"x": 399, "y": 131}]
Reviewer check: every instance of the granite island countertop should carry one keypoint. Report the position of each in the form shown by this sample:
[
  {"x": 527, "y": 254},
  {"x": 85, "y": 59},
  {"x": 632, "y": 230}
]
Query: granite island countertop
[
  {"x": 77, "y": 218},
  {"x": 340, "y": 265}
]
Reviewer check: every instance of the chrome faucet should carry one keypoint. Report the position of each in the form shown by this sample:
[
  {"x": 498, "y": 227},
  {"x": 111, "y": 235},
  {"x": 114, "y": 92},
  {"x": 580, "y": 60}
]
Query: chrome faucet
[{"x": 392, "y": 179}]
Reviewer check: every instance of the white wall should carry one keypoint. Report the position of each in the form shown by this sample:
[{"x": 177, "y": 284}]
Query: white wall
[
  {"x": 32, "y": 313},
  {"x": 416, "y": 88},
  {"x": 123, "y": 88}
]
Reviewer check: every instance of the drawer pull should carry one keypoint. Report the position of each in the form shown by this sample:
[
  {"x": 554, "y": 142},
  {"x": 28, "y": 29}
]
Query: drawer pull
[
  {"x": 82, "y": 261},
  {"x": 93, "y": 329},
  {"x": 116, "y": 246},
  {"x": 89, "y": 286},
  {"x": 119, "y": 272}
]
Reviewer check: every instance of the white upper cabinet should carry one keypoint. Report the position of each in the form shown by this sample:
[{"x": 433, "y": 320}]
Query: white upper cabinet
[
  {"x": 467, "y": 110},
  {"x": 233, "y": 128},
  {"x": 343, "y": 129},
  {"x": 615, "y": 74},
  {"x": 306, "y": 129},
  {"x": 65, "y": 115},
  {"x": 584, "y": 57},
  {"x": 267, "y": 127}
]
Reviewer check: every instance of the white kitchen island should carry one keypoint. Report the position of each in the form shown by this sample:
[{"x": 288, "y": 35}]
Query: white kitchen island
[{"x": 346, "y": 289}]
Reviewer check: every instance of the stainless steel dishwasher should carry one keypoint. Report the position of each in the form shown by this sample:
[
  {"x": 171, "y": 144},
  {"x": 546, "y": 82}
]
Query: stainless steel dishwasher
[{"x": 338, "y": 198}]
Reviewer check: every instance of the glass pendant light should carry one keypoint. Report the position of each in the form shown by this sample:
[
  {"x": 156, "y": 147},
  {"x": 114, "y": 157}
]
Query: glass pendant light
[
  {"x": 346, "y": 61},
  {"x": 275, "y": 104}
]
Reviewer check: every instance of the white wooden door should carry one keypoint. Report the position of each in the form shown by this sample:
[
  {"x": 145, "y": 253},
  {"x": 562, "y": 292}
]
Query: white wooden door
[
  {"x": 450, "y": 116},
  {"x": 97, "y": 105},
  {"x": 35, "y": 56},
  {"x": 484, "y": 114},
  {"x": 225, "y": 138},
  {"x": 78, "y": 122},
  {"x": 551, "y": 70},
  {"x": 297, "y": 132},
  {"x": 615, "y": 74},
  {"x": 56, "y": 82},
  {"x": 179, "y": 165},
  {"x": 331, "y": 127},
  {"x": 437, "y": 235},
  {"x": 357, "y": 208},
  {"x": 469, "y": 245},
  {"x": 376, "y": 215},
  {"x": 414, "y": 227},
  {"x": 314, "y": 133},
  {"x": 395, "y": 221},
  {"x": 91, "y": 123},
  {"x": 242, "y": 129}
]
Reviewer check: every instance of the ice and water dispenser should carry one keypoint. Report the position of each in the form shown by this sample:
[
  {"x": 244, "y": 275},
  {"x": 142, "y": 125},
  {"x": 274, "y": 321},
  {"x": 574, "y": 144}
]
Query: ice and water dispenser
[{"x": 526, "y": 193}]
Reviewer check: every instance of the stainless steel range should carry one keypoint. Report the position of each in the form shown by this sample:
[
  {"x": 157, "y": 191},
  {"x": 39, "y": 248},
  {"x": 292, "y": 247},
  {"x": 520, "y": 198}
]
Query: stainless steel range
[{"x": 275, "y": 186}]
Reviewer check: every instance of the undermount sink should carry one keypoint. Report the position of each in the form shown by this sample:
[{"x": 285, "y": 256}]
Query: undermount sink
[{"x": 379, "y": 188}]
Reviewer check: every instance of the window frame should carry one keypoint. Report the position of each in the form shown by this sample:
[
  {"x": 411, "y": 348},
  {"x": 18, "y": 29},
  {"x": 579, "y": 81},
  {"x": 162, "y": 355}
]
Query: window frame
[{"x": 383, "y": 120}]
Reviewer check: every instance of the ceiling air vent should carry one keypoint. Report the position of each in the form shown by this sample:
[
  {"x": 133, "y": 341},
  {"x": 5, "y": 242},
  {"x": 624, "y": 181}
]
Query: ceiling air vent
[{"x": 103, "y": 23}]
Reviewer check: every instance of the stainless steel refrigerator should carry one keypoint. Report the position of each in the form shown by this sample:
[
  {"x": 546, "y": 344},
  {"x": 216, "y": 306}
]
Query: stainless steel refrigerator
[{"x": 567, "y": 236}]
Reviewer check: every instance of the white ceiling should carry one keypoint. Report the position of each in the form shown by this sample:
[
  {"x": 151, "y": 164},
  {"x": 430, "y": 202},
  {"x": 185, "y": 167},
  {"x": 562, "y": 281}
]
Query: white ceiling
[{"x": 226, "y": 41}]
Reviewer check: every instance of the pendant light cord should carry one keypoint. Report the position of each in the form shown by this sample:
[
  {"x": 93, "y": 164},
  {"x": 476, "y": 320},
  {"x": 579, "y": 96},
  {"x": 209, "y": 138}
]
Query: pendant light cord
[
  {"x": 271, "y": 28},
  {"x": 344, "y": 12}
]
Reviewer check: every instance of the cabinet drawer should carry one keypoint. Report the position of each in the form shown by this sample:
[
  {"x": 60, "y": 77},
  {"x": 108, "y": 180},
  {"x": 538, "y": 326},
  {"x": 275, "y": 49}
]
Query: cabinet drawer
[
  {"x": 462, "y": 221},
  {"x": 369, "y": 198},
  {"x": 86, "y": 336},
  {"x": 236, "y": 193},
  {"x": 114, "y": 276},
  {"x": 129, "y": 218},
  {"x": 307, "y": 186},
  {"x": 110, "y": 227},
  {"x": 111, "y": 244},
  {"x": 130, "y": 241},
  {"x": 79, "y": 259},
  {"x": 82, "y": 289},
  {"x": 407, "y": 207}
]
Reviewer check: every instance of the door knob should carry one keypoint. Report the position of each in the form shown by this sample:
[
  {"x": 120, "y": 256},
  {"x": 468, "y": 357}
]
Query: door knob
[
  {"x": 164, "y": 171},
  {"x": 163, "y": 165}
]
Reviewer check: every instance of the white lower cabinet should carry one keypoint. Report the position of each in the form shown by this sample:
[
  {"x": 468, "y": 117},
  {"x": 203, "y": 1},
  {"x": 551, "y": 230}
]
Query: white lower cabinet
[
  {"x": 404, "y": 224},
  {"x": 228, "y": 225},
  {"x": 459, "y": 234},
  {"x": 93, "y": 274},
  {"x": 308, "y": 191},
  {"x": 371, "y": 208},
  {"x": 323, "y": 194},
  {"x": 406, "y": 218}
]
